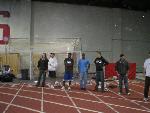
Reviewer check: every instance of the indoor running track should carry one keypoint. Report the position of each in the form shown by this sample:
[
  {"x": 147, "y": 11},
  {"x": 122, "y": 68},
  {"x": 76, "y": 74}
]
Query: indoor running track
[{"x": 26, "y": 98}]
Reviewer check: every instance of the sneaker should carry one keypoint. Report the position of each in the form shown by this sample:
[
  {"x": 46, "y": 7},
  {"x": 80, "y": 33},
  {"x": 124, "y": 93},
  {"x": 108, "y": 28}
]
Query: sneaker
[
  {"x": 63, "y": 88},
  {"x": 69, "y": 88},
  {"x": 145, "y": 99},
  {"x": 52, "y": 86},
  {"x": 106, "y": 89},
  {"x": 128, "y": 93},
  {"x": 119, "y": 93}
]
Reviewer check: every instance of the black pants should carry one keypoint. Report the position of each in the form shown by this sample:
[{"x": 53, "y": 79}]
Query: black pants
[
  {"x": 100, "y": 78},
  {"x": 146, "y": 88},
  {"x": 42, "y": 72},
  {"x": 6, "y": 78},
  {"x": 125, "y": 79},
  {"x": 52, "y": 74}
]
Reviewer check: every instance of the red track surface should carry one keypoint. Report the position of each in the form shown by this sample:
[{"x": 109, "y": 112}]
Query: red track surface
[{"x": 25, "y": 98}]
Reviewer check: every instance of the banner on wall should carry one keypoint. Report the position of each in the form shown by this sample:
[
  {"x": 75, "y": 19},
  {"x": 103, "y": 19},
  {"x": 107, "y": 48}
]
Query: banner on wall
[{"x": 4, "y": 28}]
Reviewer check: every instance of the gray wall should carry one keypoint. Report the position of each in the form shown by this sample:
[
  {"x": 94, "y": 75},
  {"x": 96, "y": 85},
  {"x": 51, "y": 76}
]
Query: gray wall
[
  {"x": 68, "y": 21},
  {"x": 135, "y": 35},
  {"x": 113, "y": 31},
  {"x": 19, "y": 22}
]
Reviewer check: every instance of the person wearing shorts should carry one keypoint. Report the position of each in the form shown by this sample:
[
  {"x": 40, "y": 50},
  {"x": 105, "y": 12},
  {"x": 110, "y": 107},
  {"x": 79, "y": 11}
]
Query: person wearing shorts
[{"x": 68, "y": 62}]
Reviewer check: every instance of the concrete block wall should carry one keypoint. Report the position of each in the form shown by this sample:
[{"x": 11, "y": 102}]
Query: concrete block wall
[{"x": 111, "y": 30}]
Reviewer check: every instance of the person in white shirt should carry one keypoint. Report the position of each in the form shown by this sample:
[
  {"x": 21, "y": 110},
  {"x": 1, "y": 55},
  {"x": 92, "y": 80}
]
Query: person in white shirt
[
  {"x": 147, "y": 77},
  {"x": 52, "y": 65},
  {"x": 6, "y": 69}
]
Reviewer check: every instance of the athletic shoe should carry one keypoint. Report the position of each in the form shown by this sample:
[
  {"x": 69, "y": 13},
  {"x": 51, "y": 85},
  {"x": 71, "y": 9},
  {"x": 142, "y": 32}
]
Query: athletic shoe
[
  {"x": 119, "y": 93},
  {"x": 145, "y": 99},
  {"x": 106, "y": 89},
  {"x": 52, "y": 86},
  {"x": 63, "y": 88},
  {"x": 69, "y": 88},
  {"x": 128, "y": 93}
]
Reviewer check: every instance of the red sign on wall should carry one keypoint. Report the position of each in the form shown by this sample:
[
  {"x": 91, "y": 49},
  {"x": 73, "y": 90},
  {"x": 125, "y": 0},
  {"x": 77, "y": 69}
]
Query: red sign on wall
[{"x": 5, "y": 28}]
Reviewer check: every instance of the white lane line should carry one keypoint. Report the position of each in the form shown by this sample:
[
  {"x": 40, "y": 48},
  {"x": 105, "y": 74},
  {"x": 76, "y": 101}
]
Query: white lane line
[
  {"x": 42, "y": 101},
  {"x": 67, "y": 97},
  {"x": 61, "y": 90},
  {"x": 129, "y": 107},
  {"x": 62, "y": 95},
  {"x": 12, "y": 99},
  {"x": 69, "y": 91},
  {"x": 51, "y": 89},
  {"x": 137, "y": 92},
  {"x": 137, "y": 84},
  {"x": 73, "y": 92},
  {"x": 72, "y": 106},
  {"x": 138, "y": 87},
  {"x": 130, "y": 100},
  {"x": 49, "y": 102},
  {"x": 2, "y": 85},
  {"x": 72, "y": 102},
  {"x": 75, "y": 98},
  {"x": 103, "y": 102},
  {"x": 21, "y": 107}
]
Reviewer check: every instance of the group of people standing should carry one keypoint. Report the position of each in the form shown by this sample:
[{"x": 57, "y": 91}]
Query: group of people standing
[
  {"x": 50, "y": 64},
  {"x": 46, "y": 65}
]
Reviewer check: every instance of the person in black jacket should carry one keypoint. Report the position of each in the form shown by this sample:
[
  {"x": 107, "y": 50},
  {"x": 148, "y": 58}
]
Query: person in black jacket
[
  {"x": 43, "y": 67},
  {"x": 69, "y": 63},
  {"x": 122, "y": 67},
  {"x": 100, "y": 62}
]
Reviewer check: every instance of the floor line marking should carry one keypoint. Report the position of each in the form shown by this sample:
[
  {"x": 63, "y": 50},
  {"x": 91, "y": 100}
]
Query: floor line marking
[
  {"x": 81, "y": 92},
  {"x": 42, "y": 101},
  {"x": 103, "y": 102},
  {"x": 2, "y": 85},
  {"x": 129, "y": 107},
  {"x": 21, "y": 106},
  {"x": 61, "y": 90},
  {"x": 66, "y": 96},
  {"x": 74, "y": 98},
  {"x": 129, "y": 100},
  {"x": 136, "y": 85},
  {"x": 72, "y": 102},
  {"x": 73, "y": 106},
  {"x": 12, "y": 100},
  {"x": 137, "y": 92},
  {"x": 79, "y": 107}
]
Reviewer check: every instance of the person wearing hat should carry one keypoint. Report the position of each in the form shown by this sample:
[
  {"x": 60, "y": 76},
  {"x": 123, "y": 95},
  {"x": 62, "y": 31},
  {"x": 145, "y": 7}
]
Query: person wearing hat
[
  {"x": 100, "y": 62},
  {"x": 69, "y": 63},
  {"x": 52, "y": 65},
  {"x": 122, "y": 67},
  {"x": 147, "y": 77}
]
